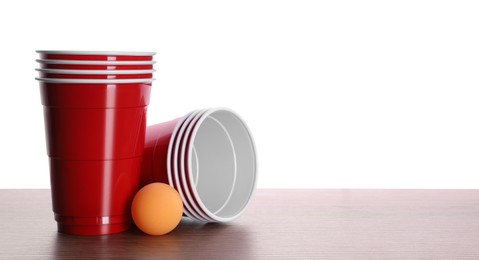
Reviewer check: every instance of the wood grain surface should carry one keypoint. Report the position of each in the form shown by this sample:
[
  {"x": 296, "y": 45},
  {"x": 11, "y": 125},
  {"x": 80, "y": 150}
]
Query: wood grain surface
[{"x": 288, "y": 224}]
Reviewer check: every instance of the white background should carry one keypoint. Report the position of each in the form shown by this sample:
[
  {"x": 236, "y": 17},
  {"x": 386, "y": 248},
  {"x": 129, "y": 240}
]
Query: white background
[{"x": 338, "y": 94}]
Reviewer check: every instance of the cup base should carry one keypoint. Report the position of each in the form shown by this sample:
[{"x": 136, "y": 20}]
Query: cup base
[{"x": 92, "y": 226}]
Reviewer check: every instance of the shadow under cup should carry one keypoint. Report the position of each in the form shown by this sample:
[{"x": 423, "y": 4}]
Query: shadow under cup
[{"x": 95, "y": 138}]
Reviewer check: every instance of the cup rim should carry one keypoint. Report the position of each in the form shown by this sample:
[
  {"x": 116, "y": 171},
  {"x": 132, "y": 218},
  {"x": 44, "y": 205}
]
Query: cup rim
[
  {"x": 101, "y": 53},
  {"x": 94, "y": 62},
  {"x": 170, "y": 157},
  {"x": 94, "y": 81},
  {"x": 193, "y": 209},
  {"x": 255, "y": 177},
  {"x": 100, "y": 72}
]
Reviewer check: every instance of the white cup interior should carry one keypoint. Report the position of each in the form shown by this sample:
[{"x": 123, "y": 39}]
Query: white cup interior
[
  {"x": 225, "y": 164},
  {"x": 194, "y": 167}
]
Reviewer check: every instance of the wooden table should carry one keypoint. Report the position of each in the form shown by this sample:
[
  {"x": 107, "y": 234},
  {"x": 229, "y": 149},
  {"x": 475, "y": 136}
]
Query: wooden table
[{"x": 289, "y": 224}]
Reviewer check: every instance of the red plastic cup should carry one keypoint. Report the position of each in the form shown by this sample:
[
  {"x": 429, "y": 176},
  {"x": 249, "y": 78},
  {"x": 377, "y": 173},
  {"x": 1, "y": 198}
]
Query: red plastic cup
[
  {"x": 95, "y": 132},
  {"x": 157, "y": 139},
  {"x": 210, "y": 160},
  {"x": 96, "y": 55},
  {"x": 95, "y": 74},
  {"x": 95, "y": 65}
]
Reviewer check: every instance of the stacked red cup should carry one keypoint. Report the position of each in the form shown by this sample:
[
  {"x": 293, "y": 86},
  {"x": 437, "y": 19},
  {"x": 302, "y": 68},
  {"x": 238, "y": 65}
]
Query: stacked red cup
[{"x": 95, "y": 107}]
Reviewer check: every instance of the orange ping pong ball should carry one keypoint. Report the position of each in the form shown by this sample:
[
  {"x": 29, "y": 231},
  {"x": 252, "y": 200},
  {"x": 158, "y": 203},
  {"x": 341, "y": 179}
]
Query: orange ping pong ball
[{"x": 157, "y": 209}]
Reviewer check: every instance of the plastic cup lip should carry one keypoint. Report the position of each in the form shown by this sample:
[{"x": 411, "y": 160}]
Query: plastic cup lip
[
  {"x": 171, "y": 181},
  {"x": 94, "y": 62},
  {"x": 170, "y": 148},
  {"x": 110, "y": 53},
  {"x": 180, "y": 159},
  {"x": 94, "y": 81},
  {"x": 186, "y": 142},
  {"x": 189, "y": 156},
  {"x": 100, "y": 72},
  {"x": 188, "y": 201}
]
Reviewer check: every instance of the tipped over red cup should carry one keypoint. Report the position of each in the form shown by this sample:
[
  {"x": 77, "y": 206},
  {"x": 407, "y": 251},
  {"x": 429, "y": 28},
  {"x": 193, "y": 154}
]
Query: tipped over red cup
[{"x": 209, "y": 157}]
